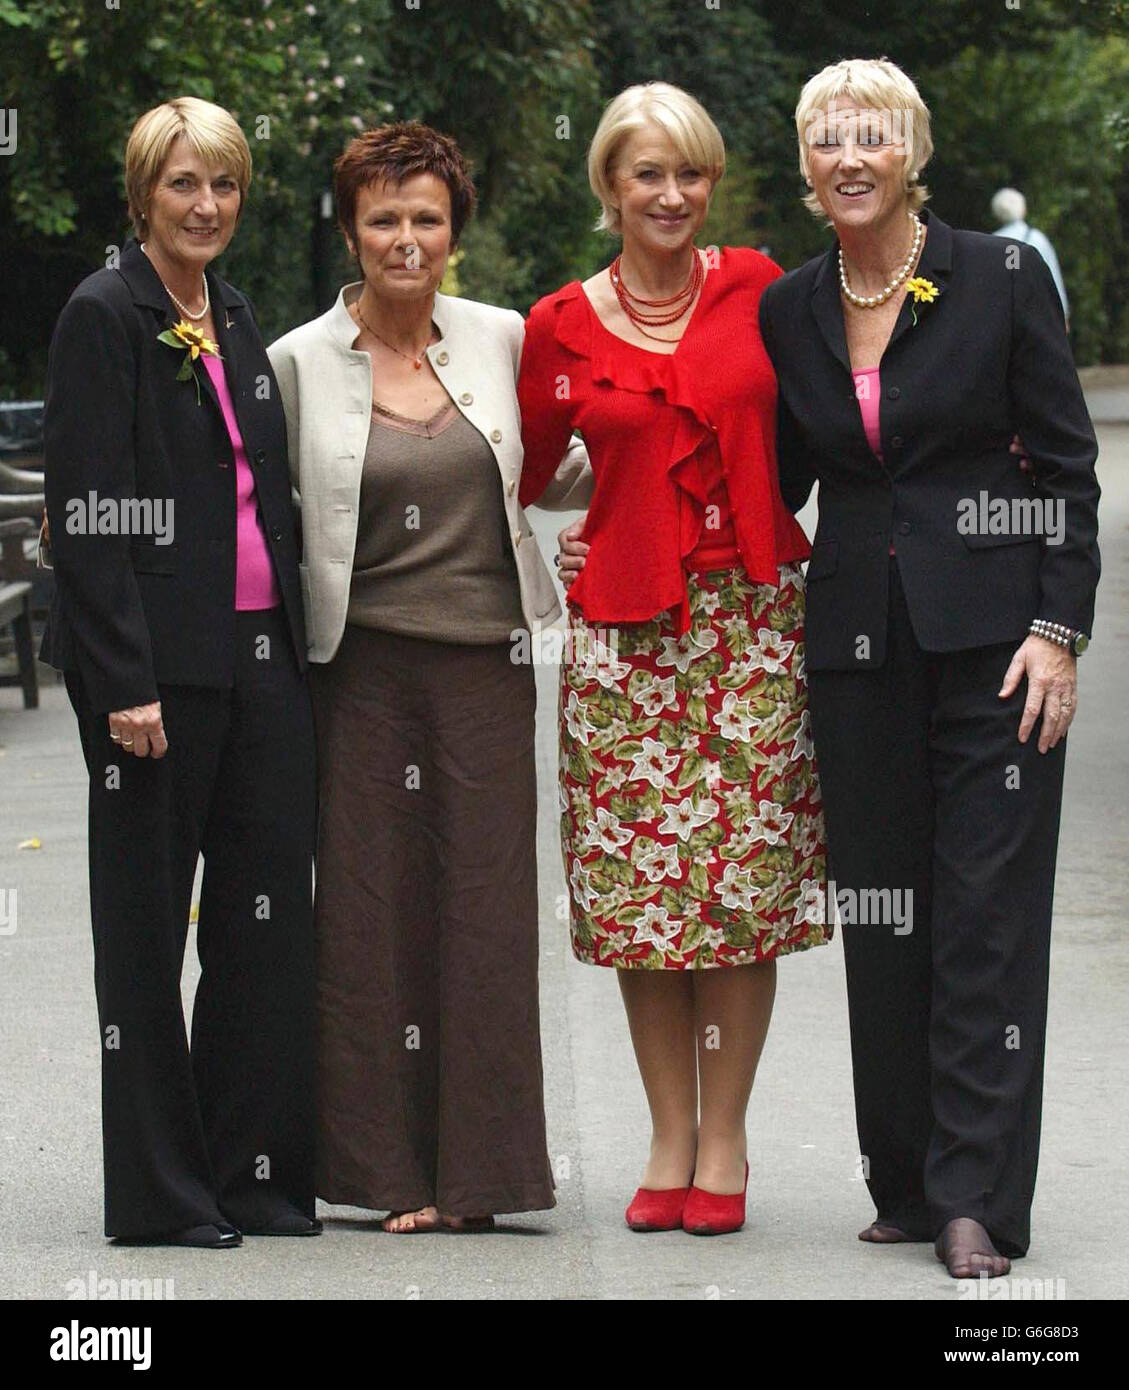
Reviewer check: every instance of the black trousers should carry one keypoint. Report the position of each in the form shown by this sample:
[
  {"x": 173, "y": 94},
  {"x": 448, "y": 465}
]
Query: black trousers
[
  {"x": 225, "y": 1130},
  {"x": 927, "y": 788}
]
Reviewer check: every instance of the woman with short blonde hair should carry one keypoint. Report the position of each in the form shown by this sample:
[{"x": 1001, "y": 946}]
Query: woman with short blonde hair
[
  {"x": 207, "y": 130},
  {"x": 184, "y": 650},
  {"x": 691, "y": 817},
  {"x": 664, "y": 107},
  {"x": 941, "y": 653},
  {"x": 895, "y": 110}
]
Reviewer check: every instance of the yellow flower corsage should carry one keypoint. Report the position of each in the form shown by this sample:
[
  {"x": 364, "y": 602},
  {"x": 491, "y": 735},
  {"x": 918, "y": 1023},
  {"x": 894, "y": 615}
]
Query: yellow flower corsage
[
  {"x": 183, "y": 335},
  {"x": 923, "y": 291}
]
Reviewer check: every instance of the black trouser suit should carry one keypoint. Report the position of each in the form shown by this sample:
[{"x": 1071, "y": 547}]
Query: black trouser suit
[
  {"x": 224, "y": 1130},
  {"x": 927, "y": 788}
]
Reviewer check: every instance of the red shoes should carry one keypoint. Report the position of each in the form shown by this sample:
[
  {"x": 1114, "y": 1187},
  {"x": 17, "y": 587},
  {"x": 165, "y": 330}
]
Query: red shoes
[
  {"x": 657, "y": 1209},
  {"x": 714, "y": 1213},
  {"x": 695, "y": 1211}
]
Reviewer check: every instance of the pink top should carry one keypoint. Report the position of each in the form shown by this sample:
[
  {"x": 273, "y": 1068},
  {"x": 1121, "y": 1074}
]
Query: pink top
[
  {"x": 868, "y": 390},
  {"x": 255, "y": 582}
]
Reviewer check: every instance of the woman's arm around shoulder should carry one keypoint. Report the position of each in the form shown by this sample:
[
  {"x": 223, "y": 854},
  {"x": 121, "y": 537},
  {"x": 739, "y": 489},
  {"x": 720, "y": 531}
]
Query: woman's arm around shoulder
[
  {"x": 795, "y": 466},
  {"x": 545, "y": 398},
  {"x": 758, "y": 268}
]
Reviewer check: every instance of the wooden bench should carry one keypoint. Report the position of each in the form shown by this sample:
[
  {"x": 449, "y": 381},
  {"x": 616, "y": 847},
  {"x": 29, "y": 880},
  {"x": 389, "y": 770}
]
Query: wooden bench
[{"x": 15, "y": 610}]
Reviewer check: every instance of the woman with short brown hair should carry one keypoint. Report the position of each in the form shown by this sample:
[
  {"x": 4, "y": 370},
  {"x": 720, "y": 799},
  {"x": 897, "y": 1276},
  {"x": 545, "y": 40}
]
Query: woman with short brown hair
[{"x": 419, "y": 570}]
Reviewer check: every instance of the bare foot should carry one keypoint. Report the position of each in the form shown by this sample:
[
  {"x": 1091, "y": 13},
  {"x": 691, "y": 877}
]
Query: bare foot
[
  {"x": 966, "y": 1250},
  {"x": 881, "y": 1232},
  {"x": 406, "y": 1223},
  {"x": 469, "y": 1224}
]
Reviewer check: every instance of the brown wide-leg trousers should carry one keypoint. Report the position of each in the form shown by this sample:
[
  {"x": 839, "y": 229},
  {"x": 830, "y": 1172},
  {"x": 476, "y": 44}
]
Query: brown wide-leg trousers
[{"x": 429, "y": 1050}]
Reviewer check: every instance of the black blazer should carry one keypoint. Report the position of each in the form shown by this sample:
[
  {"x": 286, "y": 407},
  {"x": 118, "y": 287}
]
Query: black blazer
[
  {"x": 128, "y": 612},
  {"x": 989, "y": 358}
]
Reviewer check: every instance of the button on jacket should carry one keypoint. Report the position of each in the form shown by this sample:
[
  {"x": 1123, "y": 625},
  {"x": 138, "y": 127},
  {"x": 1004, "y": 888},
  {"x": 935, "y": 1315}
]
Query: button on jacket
[
  {"x": 987, "y": 359},
  {"x": 127, "y": 611},
  {"x": 326, "y": 387}
]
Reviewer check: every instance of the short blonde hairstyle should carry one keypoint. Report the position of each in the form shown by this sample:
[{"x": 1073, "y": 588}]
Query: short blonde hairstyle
[
  {"x": 683, "y": 118},
  {"x": 211, "y": 132},
  {"x": 875, "y": 84}
]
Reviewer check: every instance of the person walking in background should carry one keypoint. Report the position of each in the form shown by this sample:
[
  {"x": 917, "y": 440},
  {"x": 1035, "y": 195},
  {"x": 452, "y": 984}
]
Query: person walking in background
[
  {"x": 184, "y": 648},
  {"x": 419, "y": 569},
  {"x": 691, "y": 819},
  {"x": 1009, "y": 207}
]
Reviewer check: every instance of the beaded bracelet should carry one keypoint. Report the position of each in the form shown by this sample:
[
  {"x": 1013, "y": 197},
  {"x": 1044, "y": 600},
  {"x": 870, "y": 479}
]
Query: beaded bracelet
[{"x": 1053, "y": 632}]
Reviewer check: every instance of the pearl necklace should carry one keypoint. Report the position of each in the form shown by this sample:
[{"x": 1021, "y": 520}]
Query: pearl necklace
[
  {"x": 872, "y": 301},
  {"x": 203, "y": 314}
]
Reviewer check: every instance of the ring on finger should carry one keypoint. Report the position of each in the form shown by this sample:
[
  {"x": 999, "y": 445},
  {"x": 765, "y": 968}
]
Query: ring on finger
[{"x": 127, "y": 743}]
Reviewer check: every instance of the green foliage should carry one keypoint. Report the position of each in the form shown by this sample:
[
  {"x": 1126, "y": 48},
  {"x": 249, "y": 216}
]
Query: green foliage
[
  {"x": 1032, "y": 95},
  {"x": 301, "y": 79},
  {"x": 1060, "y": 125}
]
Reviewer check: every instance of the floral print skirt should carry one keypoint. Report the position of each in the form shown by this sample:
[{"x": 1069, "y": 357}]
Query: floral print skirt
[{"x": 691, "y": 819}]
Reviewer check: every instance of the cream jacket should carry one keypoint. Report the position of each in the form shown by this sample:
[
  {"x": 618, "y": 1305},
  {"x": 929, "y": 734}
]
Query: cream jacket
[{"x": 326, "y": 388}]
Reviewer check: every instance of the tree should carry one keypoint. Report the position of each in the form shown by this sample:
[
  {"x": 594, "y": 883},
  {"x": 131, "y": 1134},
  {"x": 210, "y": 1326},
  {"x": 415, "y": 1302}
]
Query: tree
[
  {"x": 1025, "y": 91},
  {"x": 301, "y": 79}
]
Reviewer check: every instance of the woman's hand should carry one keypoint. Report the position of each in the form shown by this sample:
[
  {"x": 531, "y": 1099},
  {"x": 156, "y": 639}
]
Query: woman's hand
[
  {"x": 1019, "y": 449},
  {"x": 140, "y": 731},
  {"x": 570, "y": 559},
  {"x": 1052, "y": 687}
]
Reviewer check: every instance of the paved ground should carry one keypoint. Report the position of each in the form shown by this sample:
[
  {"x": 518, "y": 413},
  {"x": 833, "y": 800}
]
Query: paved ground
[
  {"x": 1107, "y": 393},
  {"x": 805, "y": 1203}
]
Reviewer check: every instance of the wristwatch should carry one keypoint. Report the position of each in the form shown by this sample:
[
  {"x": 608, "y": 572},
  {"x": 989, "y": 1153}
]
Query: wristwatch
[{"x": 1072, "y": 638}]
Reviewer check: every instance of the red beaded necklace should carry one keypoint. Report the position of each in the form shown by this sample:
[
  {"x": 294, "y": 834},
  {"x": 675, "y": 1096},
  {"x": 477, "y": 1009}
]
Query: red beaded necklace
[{"x": 640, "y": 317}]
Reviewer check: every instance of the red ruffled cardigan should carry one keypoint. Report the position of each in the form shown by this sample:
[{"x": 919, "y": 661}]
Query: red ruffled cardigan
[{"x": 650, "y": 421}]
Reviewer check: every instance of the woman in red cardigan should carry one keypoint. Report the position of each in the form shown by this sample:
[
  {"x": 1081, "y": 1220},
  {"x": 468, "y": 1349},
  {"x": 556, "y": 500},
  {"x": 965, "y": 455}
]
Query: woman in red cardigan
[{"x": 691, "y": 825}]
